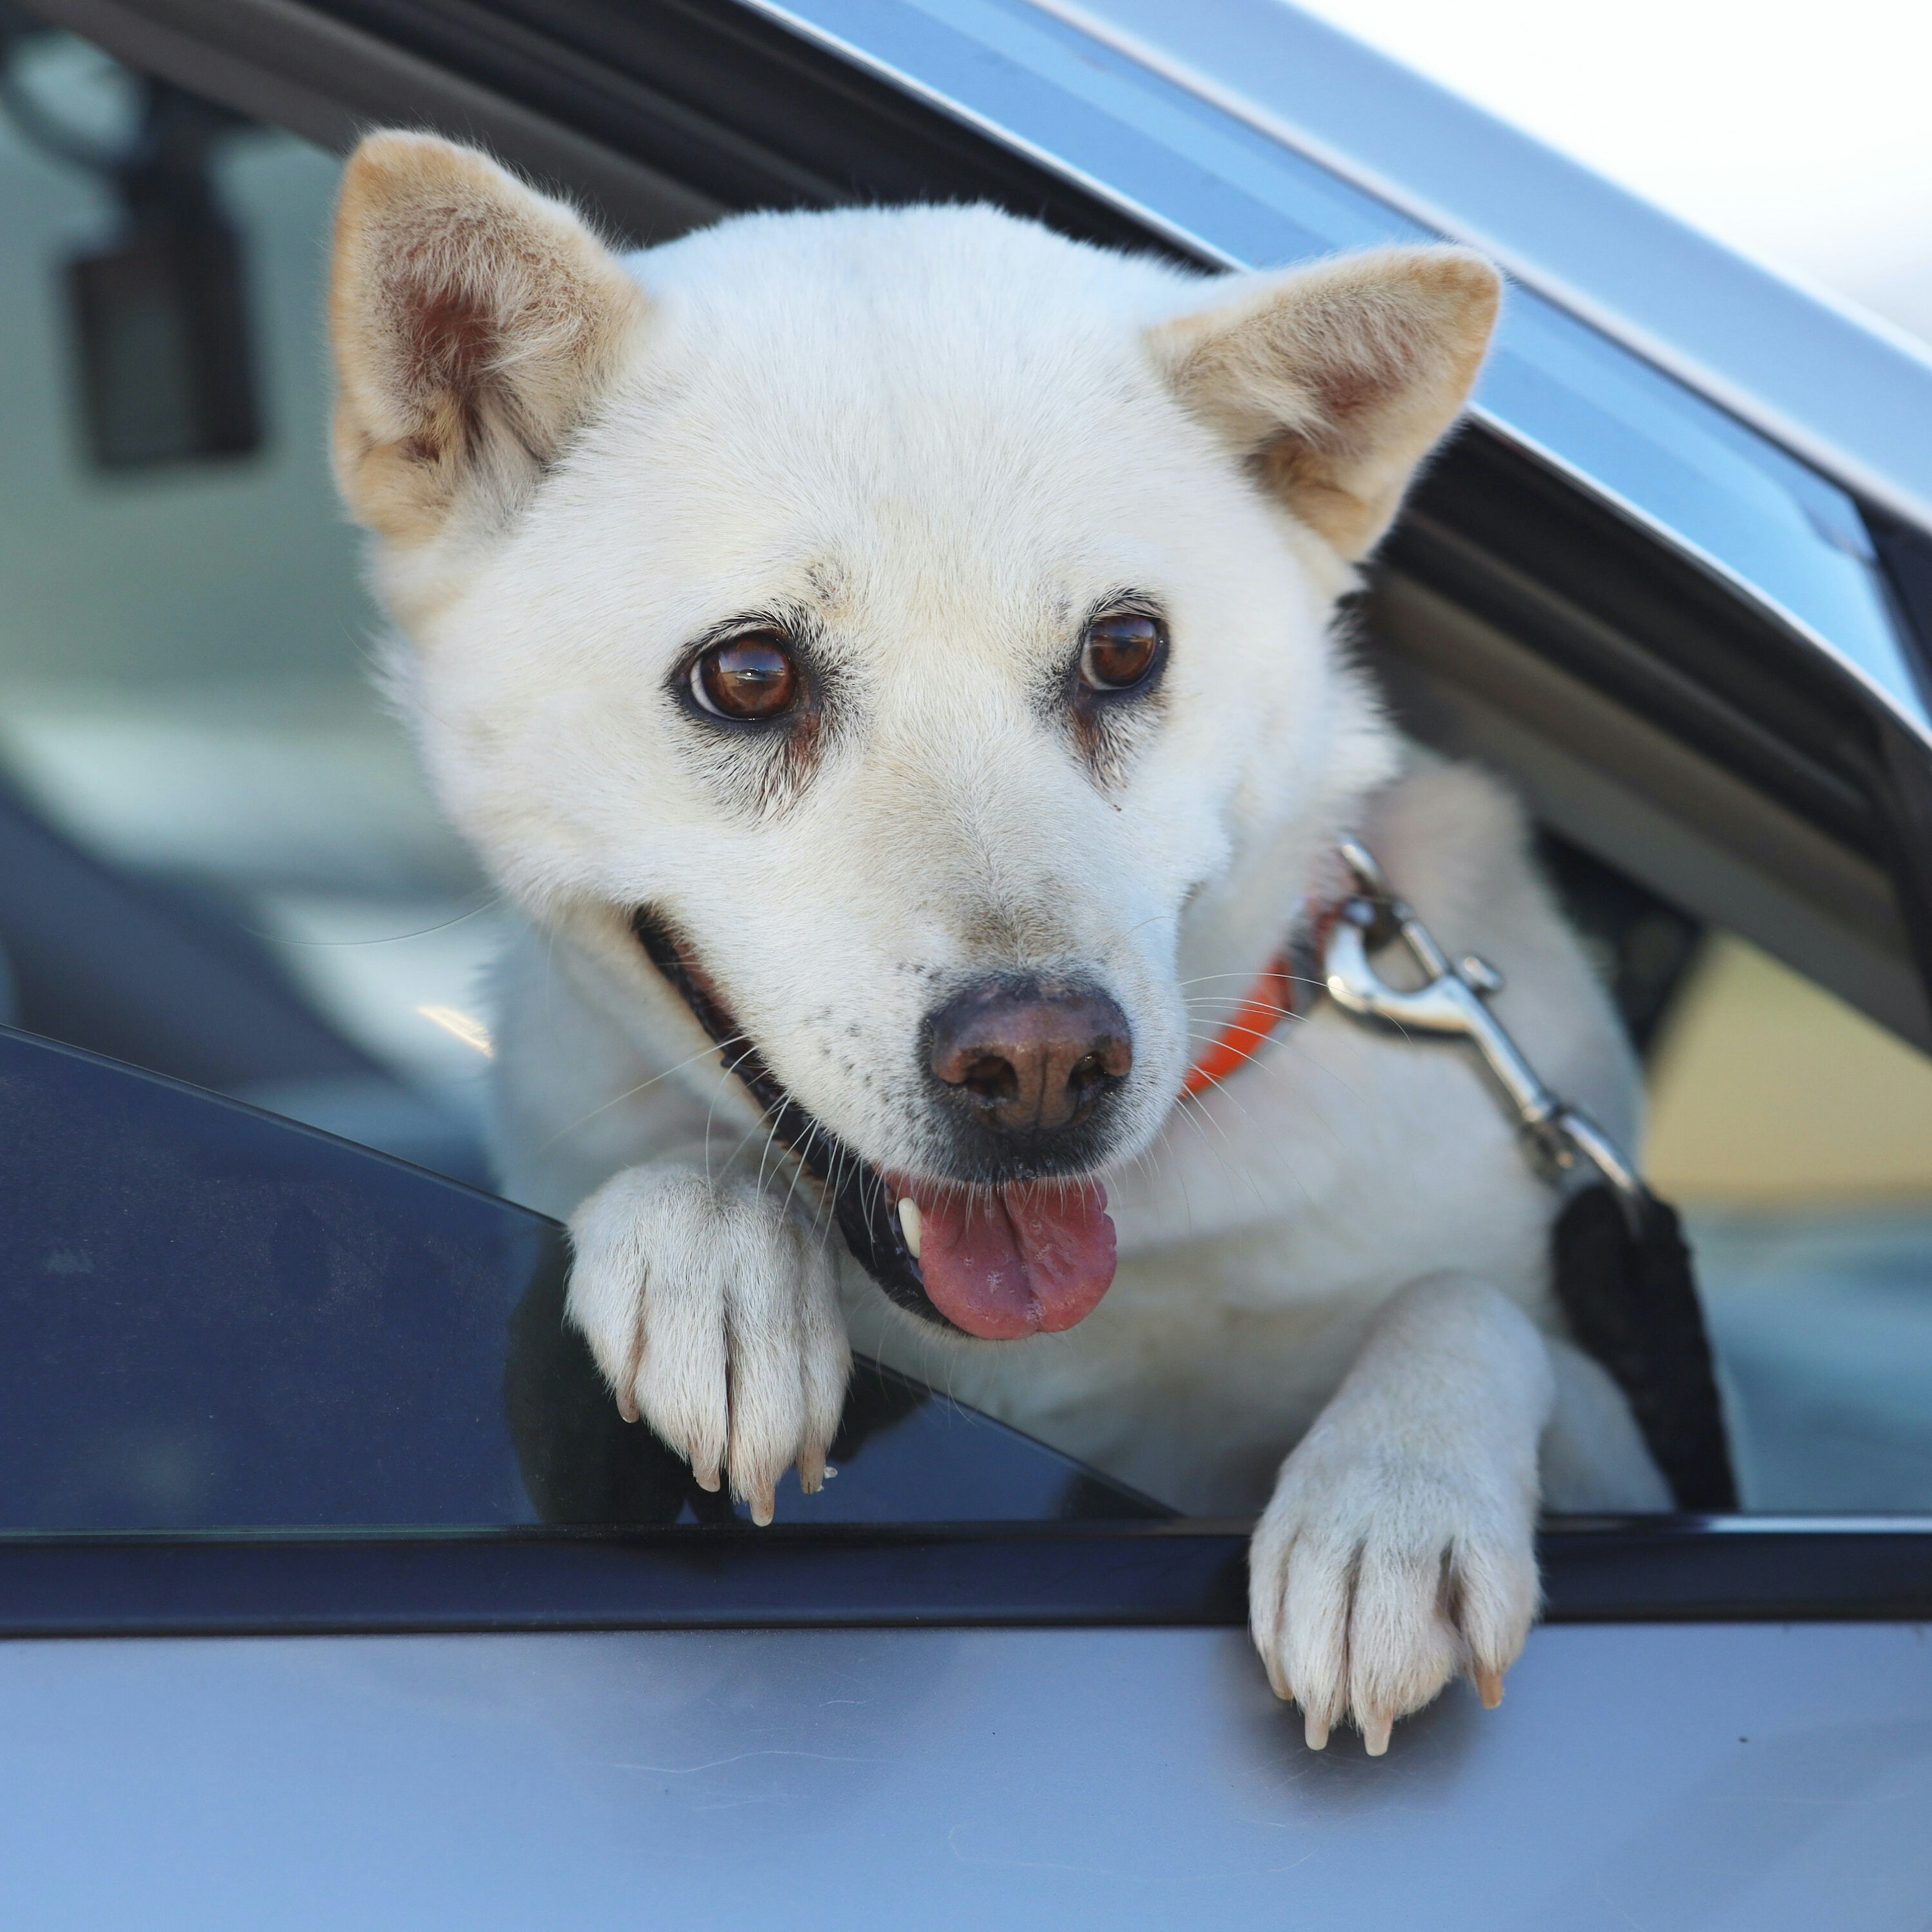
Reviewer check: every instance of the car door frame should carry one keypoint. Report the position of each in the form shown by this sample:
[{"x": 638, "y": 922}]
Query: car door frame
[{"x": 1723, "y": 691}]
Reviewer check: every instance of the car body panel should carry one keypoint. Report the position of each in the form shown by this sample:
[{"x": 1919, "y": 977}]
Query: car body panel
[
  {"x": 1758, "y": 1777},
  {"x": 493, "y": 1718}
]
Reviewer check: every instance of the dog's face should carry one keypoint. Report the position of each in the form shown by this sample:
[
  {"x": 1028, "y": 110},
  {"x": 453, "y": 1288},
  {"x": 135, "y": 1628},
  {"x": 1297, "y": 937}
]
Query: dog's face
[{"x": 905, "y": 633}]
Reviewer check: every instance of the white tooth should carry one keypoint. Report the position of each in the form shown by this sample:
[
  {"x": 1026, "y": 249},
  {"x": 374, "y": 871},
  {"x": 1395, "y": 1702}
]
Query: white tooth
[{"x": 909, "y": 1223}]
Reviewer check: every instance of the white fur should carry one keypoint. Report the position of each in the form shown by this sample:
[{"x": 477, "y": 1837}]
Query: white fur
[
  {"x": 713, "y": 1313},
  {"x": 944, "y": 433},
  {"x": 1394, "y": 1551}
]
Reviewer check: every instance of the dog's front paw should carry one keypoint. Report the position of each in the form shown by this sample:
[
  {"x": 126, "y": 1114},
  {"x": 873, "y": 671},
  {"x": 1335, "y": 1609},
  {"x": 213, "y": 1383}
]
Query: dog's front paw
[
  {"x": 713, "y": 1313},
  {"x": 1376, "y": 1576}
]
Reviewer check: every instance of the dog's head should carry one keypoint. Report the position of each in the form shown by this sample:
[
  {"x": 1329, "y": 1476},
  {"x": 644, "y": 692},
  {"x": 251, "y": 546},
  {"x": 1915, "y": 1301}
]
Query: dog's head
[{"x": 907, "y": 633}]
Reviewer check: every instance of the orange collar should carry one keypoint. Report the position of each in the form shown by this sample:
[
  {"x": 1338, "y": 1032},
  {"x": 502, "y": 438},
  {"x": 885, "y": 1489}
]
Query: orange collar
[
  {"x": 1242, "y": 1038},
  {"x": 1271, "y": 1000}
]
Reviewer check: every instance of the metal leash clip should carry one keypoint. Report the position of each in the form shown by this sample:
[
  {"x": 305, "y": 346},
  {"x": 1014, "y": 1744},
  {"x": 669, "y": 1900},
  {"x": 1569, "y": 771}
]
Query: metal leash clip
[{"x": 1453, "y": 1005}]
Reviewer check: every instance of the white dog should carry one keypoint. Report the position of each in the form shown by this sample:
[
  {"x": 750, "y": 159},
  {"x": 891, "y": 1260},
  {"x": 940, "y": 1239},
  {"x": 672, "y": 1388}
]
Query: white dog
[{"x": 901, "y": 645}]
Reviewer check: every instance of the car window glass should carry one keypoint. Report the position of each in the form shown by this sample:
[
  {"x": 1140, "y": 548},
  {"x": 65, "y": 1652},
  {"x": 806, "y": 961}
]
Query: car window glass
[
  {"x": 185, "y": 696},
  {"x": 1796, "y": 1136},
  {"x": 216, "y": 1320}
]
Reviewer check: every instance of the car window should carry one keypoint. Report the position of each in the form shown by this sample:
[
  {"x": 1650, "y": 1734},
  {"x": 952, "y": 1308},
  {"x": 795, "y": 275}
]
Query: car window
[
  {"x": 184, "y": 692},
  {"x": 225, "y": 867},
  {"x": 216, "y": 1320},
  {"x": 1796, "y": 1134}
]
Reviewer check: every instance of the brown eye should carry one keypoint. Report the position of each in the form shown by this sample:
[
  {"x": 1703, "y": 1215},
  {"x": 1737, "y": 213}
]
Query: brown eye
[
  {"x": 751, "y": 677},
  {"x": 1121, "y": 648}
]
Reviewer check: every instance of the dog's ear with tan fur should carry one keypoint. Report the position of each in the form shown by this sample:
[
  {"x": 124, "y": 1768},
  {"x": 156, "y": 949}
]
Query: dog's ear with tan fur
[
  {"x": 475, "y": 323},
  {"x": 1335, "y": 380}
]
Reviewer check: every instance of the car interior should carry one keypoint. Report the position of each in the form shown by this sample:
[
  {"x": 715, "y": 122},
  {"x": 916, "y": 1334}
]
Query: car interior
[{"x": 219, "y": 863}]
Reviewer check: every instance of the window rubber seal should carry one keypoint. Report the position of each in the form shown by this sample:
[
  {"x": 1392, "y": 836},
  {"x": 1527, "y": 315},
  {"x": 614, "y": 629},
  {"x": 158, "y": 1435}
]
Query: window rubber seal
[{"x": 1635, "y": 1570}]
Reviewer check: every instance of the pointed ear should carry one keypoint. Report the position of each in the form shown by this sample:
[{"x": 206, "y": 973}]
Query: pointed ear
[
  {"x": 1332, "y": 381},
  {"x": 475, "y": 322}
]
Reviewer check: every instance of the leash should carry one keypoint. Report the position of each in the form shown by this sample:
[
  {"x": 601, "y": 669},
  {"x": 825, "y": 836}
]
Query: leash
[
  {"x": 1560, "y": 1139},
  {"x": 1622, "y": 1272}
]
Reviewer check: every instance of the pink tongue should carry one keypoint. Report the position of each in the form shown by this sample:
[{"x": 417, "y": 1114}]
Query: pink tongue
[{"x": 999, "y": 1264}]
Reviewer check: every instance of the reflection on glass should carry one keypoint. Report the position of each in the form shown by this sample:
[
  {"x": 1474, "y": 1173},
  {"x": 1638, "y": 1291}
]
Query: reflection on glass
[
  {"x": 1764, "y": 517},
  {"x": 215, "y": 1320}
]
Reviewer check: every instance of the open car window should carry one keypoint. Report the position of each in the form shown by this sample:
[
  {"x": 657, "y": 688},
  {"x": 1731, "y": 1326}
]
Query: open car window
[{"x": 221, "y": 867}]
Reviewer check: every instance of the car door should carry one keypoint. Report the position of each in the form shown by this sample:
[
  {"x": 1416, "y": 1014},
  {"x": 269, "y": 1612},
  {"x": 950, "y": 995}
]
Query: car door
[{"x": 331, "y": 1591}]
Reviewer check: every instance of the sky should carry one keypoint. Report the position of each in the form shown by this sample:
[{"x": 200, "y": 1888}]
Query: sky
[{"x": 1799, "y": 132}]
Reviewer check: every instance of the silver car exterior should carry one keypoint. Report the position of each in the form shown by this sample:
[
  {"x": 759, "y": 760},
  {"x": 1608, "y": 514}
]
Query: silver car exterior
[{"x": 1745, "y": 1742}]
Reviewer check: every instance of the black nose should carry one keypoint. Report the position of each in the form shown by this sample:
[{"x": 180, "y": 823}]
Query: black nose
[{"x": 1029, "y": 1059}]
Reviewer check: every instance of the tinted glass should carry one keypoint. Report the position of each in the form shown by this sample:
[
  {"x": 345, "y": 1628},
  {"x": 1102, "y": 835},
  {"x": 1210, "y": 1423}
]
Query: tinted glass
[{"x": 215, "y": 1319}]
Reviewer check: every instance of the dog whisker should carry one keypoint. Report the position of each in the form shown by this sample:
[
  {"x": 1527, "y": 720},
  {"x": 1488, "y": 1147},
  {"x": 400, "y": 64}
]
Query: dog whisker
[
  {"x": 1272, "y": 1067},
  {"x": 630, "y": 1094},
  {"x": 489, "y": 904}
]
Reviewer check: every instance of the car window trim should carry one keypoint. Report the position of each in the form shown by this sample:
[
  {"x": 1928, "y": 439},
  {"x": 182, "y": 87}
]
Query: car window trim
[
  {"x": 1669, "y": 1569},
  {"x": 1594, "y": 247}
]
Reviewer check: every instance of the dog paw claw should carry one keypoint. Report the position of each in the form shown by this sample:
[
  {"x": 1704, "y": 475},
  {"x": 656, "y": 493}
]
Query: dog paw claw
[
  {"x": 1373, "y": 1586},
  {"x": 713, "y": 1311}
]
